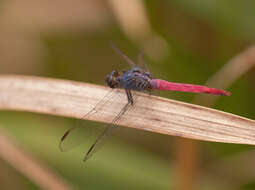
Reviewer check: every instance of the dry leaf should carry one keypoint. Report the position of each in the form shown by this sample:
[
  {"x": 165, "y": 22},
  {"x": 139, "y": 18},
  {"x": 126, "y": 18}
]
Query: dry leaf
[{"x": 156, "y": 114}]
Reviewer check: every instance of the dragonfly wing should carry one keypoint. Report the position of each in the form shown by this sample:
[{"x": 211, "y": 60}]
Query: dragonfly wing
[
  {"x": 108, "y": 132},
  {"x": 81, "y": 132},
  {"x": 122, "y": 55},
  {"x": 101, "y": 139},
  {"x": 75, "y": 137},
  {"x": 141, "y": 61}
]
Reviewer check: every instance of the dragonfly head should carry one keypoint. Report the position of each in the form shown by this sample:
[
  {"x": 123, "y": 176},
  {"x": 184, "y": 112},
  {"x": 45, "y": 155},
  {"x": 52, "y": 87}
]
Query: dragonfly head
[{"x": 113, "y": 79}]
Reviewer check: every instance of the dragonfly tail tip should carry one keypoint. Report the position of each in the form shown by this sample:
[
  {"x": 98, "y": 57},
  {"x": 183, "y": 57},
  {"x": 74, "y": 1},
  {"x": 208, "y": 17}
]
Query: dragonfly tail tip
[{"x": 226, "y": 93}]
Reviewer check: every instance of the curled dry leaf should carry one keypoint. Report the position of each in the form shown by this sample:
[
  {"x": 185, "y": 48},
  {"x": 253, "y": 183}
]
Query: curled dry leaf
[{"x": 156, "y": 114}]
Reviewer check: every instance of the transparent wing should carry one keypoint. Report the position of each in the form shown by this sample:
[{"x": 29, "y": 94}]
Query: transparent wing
[
  {"x": 122, "y": 55},
  {"x": 141, "y": 62},
  {"x": 109, "y": 130},
  {"x": 81, "y": 131},
  {"x": 140, "y": 58}
]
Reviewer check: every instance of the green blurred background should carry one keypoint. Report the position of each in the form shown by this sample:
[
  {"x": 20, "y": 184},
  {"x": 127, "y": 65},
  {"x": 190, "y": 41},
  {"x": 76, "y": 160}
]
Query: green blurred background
[{"x": 183, "y": 41}]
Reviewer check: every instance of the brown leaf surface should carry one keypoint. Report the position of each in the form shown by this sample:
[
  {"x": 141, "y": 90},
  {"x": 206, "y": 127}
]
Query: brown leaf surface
[{"x": 156, "y": 114}]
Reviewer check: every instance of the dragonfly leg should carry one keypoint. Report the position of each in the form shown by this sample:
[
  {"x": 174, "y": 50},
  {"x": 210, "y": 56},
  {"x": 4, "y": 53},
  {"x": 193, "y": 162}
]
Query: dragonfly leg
[{"x": 129, "y": 97}]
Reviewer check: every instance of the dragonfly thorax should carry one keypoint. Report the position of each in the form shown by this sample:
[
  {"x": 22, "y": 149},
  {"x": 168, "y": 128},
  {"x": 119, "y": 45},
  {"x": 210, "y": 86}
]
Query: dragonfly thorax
[{"x": 136, "y": 79}]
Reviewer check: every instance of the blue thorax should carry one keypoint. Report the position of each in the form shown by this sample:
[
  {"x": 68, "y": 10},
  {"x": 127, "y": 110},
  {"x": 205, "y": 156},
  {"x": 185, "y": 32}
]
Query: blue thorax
[{"x": 135, "y": 79}]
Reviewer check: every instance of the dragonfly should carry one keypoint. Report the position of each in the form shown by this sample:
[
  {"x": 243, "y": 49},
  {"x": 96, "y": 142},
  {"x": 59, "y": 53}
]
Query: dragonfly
[{"x": 137, "y": 78}]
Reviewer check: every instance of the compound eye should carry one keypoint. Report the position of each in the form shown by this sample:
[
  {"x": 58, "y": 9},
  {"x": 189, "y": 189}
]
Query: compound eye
[
  {"x": 113, "y": 79},
  {"x": 115, "y": 73},
  {"x": 114, "y": 84}
]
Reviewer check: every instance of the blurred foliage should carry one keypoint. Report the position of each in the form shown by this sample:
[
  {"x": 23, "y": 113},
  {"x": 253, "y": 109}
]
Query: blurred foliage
[{"x": 202, "y": 34}]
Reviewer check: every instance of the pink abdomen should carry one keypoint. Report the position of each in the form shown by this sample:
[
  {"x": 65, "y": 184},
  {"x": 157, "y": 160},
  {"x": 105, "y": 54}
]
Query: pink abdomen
[{"x": 165, "y": 85}]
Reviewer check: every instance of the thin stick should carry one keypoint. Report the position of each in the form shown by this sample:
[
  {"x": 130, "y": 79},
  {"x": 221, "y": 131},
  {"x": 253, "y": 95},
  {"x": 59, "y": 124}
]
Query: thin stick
[
  {"x": 29, "y": 166},
  {"x": 73, "y": 99}
]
